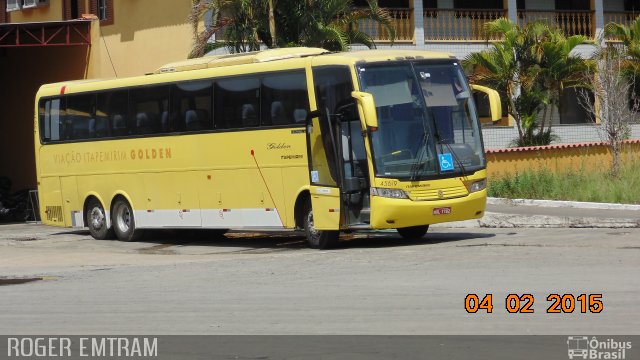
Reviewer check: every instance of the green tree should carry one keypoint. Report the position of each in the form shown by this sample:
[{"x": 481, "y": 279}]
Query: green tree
[
  {"x": 560, "y": 68},
  {"x": 630, "y": 37},
  {"x": 510, "y": 67},
  {"x": 530, "y": 66},
  {"x": 246, "y": 24}
]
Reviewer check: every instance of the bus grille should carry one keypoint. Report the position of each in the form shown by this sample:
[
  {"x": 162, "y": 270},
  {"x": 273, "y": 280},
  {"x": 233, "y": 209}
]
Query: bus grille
[
  {"x": 54, "y": 213},
  {"x": 434, "y": 194}
]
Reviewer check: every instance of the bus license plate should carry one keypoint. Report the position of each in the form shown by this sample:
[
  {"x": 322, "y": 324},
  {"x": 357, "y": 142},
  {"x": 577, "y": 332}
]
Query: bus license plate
[{"x": 442, "y": 211}]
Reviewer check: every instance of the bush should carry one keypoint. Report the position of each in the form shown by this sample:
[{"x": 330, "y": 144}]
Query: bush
[{"x": 580, "y": 185}]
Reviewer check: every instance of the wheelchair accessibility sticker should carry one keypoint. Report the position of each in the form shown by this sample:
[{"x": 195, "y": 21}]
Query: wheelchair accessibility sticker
[{"x": 446, "y": 162}]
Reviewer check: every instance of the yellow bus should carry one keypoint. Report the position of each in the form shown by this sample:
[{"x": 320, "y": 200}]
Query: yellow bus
[{"x": 295, "y": 138}]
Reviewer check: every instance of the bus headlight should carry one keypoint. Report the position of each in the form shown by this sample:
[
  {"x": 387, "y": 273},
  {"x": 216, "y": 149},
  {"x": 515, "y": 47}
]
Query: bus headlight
[
  {"x": 389, "y": 193},
  {"x": 477, "y": 186}
]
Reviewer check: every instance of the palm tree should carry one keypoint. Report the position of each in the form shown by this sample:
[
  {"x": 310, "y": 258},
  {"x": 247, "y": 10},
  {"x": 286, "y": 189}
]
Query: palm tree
[
  {"x": 333, "y": 24},
  {"x": 630, "y": 37},
  {"x": 246, "y": 24},
  {"x": 511, "y": 67},
  {"x": 531, "y": 66},
  {"x": 559, "y": 68},
  {"x": 199, "y": 9}
]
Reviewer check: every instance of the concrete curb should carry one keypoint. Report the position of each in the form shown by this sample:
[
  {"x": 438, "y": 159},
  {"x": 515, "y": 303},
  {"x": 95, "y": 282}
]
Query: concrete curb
[
  {"x": 499, "y": 220},
  {"x": 567, "y": 204}
]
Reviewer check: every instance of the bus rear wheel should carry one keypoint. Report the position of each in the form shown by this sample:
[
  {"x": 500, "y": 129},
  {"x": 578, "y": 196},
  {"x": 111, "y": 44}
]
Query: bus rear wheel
[
  {"x": 124, "y": 223},
  {"x": 97, "y": 221},
  {"x": 318, "y": 239},
  {"x": 413, "y": 232}
]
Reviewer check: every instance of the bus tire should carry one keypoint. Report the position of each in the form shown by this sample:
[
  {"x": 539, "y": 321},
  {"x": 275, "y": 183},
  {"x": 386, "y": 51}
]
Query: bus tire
[
  {"x": 123, "y": 220},
  {"x": 96, "y": 219},
  {"x": 318, "y": 239},
  {"x": 413, "y": 232}
]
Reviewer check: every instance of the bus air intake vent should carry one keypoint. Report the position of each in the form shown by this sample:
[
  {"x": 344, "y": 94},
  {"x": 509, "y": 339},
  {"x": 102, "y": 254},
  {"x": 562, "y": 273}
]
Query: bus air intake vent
[
  {"x": 438, "y": 194},
  {"x": 54, "y": 213}
]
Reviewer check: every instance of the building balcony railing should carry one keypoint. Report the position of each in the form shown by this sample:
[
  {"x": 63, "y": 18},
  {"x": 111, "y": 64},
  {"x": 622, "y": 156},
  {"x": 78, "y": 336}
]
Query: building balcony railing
[
  {"x": 620, "y": 17},
  {"x": 459, "y": 24},
  {"x": 572, "y": 22},
  {"x": 401, "y": 22}
]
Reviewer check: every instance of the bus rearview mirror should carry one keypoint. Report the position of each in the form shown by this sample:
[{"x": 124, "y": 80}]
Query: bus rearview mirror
[
  {"x": 366, "y": 108},
  {"x": 495, "y": 104}
]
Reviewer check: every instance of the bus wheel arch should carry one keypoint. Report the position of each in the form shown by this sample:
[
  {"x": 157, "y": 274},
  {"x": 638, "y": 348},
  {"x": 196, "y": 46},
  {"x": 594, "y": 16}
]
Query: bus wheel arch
[
  {"x": 317, "y": 239},
  {"x": 299, "y": 208},
  {"x": 123, "y": 219},
  {"x": 96, "y": 219}
]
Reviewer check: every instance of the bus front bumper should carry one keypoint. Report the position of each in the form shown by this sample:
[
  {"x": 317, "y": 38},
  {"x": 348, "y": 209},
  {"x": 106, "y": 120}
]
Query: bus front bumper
[{"x": 387, "y": 213}]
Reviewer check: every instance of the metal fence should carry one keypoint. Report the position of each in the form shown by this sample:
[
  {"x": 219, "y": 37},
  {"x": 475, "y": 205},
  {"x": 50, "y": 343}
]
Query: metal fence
[{"x": 498, "y": 137}]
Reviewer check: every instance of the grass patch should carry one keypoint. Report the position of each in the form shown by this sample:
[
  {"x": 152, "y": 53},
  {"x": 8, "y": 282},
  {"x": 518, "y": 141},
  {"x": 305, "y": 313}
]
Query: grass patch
[{"x": 581, "y": 185}]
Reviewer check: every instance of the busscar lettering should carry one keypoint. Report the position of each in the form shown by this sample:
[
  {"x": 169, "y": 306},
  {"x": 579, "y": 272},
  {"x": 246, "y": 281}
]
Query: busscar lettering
[{"x": 291, "y": 157}]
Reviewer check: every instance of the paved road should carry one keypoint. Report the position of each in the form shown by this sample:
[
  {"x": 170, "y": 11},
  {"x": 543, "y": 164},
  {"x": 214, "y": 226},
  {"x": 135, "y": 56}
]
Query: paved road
[{"x": 273, "y": 284}]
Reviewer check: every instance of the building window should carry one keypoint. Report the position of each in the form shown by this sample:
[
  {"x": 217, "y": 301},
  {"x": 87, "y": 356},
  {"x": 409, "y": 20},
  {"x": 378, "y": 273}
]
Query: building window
[
  {"x": 573, "y": 4},
  {"x": 430, "y": 4},
  {"x": 473, "y": 4},
  {"x": 632, "y": 5},
  {"x": 73, "y": 9},
  {"x": 103, "y": 9}
]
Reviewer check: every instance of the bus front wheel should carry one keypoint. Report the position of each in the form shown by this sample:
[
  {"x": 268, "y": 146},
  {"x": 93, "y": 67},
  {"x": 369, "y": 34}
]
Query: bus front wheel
[
  {"x": 97, "y": 221},
  {"x": 318, "y": 239},
  {"x": 413, "y": 232},
  {"x": 124, "y": 222}
]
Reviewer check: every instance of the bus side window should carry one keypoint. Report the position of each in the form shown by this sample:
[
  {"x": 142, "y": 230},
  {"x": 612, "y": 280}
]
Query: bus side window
[
  {"x": 50, "y": 119},
  {"x": 240, "y": 96},
  {"x": 281, "y": 95},
  {"x": 79, "y": 117},
  {"x": 111, "y": 109},
  {"x": 147, "y": 106},
  {"x": 190, "y": 107}
]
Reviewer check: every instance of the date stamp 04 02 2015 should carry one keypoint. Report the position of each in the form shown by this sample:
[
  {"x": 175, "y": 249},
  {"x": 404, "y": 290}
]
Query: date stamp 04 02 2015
[{"x": 523, "y": 304}]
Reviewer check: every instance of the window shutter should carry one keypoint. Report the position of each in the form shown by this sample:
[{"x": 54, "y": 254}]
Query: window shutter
[
  {"x": 93, "y": 7},
  {"x": 3, "y": 11},
  {"x": 81, "y": 9},
  {"x": 66, "y": 9},
  {"x": 110, "y": 13}
]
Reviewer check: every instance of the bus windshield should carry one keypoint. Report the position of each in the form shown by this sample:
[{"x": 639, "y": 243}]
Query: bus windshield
[{"x": 427, "y": 122}]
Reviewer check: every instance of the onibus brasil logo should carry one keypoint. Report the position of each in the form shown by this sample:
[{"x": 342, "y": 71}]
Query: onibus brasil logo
[{"x": 584, "y": 348}]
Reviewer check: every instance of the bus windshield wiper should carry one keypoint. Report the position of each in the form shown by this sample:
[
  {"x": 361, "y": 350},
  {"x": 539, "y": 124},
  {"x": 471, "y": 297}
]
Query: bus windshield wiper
[
  {"x": 453, "y": 153},
  {"x": 415, "y": 167}
]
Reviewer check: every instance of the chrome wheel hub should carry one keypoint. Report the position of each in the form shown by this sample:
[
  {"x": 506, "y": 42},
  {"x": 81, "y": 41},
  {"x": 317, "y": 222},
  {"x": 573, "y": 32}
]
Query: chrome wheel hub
[{"x": 96, "y": 218}]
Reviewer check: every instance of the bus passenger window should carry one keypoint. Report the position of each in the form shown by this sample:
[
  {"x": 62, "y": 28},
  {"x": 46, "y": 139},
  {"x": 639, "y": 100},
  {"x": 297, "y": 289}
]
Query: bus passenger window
[
  {"x": 50, "y": 120},
  {"x": 147, "y": 106},
  {"x": 237, "y": 103},
  {"x": 111, "y": 106},
  {"x": 79, "y": 116},
  {"x": 190, "y": 107},
  {"x": 281, "y": 96}
]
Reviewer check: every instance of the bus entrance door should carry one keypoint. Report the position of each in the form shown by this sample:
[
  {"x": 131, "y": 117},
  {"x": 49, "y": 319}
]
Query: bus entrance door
[{"x": 323, "y": 173}]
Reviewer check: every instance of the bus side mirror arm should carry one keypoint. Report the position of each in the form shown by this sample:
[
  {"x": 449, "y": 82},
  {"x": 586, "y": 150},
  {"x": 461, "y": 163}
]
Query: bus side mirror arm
[
  {"x": 366, "y": 108},
  {"x": 495, "y": 104}
]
